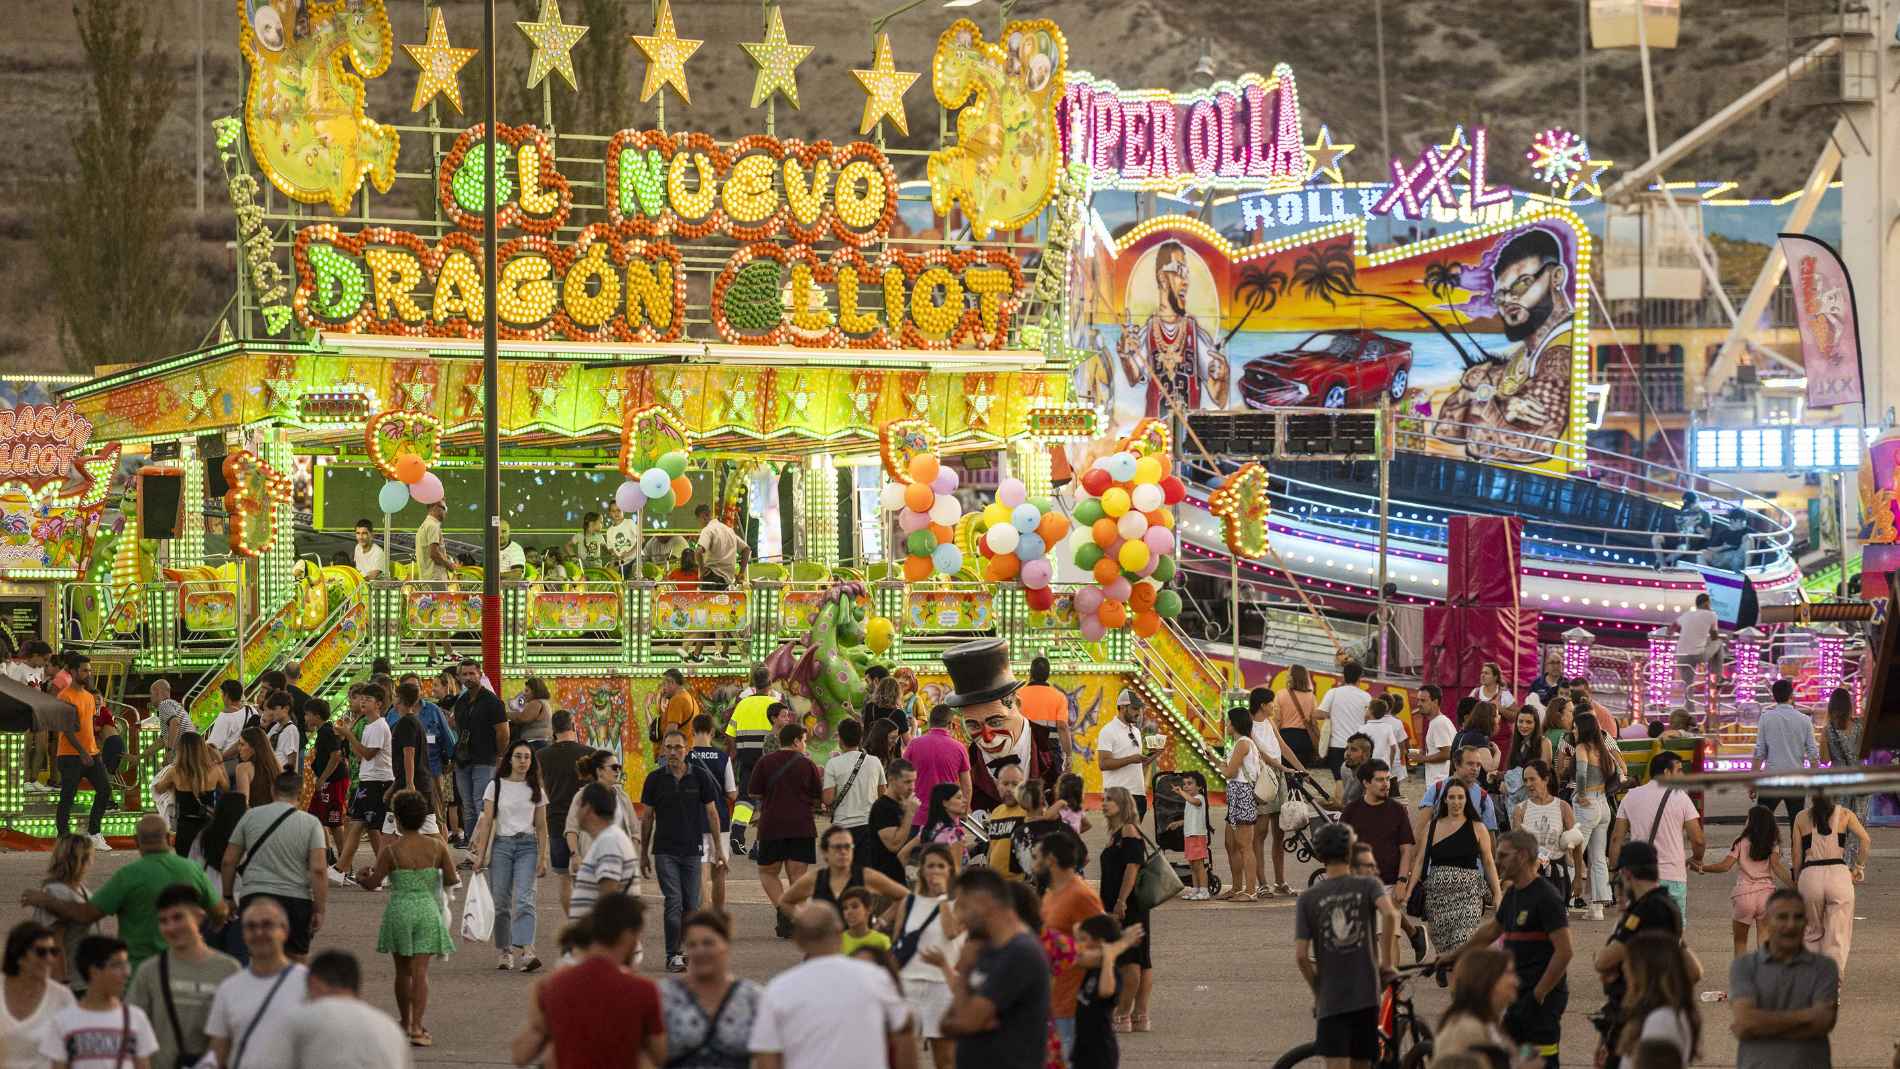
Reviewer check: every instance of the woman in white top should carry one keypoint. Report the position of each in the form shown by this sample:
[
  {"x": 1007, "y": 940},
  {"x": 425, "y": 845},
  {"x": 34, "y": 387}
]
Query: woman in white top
[
  {"x": 929, "y": 920},
  {"x": 1659, "y": 1005},
  {"x": 31, "y": 995},
  {"x": 1549, "y": 817},
  {"x": 513, "y": 835},
  {"x": 600, "y": 767},
  {"x": 1244, "y": 769},
  {"x": 1491, "y": 687}
]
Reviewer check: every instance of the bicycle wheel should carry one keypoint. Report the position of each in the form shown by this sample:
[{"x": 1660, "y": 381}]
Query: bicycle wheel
[
  {"x": 1418, "y": 1055},
  {"x": 1302, "y": 1056}
]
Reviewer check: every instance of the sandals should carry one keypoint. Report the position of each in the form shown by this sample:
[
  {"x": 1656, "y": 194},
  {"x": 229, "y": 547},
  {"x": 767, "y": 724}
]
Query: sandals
[
  {"x": 1140, "y": 1022},
  {"x": 1228, "y": 895},
  {"x": 1123, "y": 1024},
  {"x": 421, "y": 1038},
  {"x": 1283, "y": 890}
]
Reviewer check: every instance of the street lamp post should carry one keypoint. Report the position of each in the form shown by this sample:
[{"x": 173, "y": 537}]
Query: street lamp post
[{"x": 491, "y": 375}]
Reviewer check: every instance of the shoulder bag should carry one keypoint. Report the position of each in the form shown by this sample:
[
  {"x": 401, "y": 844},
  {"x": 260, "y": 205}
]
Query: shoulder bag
[
  {"x": 1415, "y": 895},
  {"x": 838, "y": 799},
  {"x": 905, "y": 946},
  {"x": 1661, "y": 808},
  {"x": 237, "y": 1056},
  {"x": 1155, "y": 881},
  {"x": 186, "y": 1057},
  {"x": 251, "y": 854}
]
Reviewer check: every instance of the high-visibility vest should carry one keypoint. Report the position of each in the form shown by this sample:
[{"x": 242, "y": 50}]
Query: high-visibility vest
[{"x": 751, "y": 723}]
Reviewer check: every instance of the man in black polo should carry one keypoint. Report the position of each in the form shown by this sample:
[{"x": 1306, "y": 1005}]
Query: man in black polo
[{"x": 681, "y": 809}]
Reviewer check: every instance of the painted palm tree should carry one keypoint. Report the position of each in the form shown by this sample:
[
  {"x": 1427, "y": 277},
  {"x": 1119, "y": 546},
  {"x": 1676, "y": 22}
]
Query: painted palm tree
[
  {"x": 1328, "y": 273},
  {"x": 1261, "y": 287},
  {"x": 1444, "y": 278}
]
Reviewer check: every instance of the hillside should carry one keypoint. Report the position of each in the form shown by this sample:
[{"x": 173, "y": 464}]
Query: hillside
[{"x": 1512, "y": 67}]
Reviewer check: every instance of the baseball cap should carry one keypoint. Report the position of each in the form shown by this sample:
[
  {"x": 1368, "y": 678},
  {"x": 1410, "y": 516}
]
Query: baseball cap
[
  {"x": 1127, "y": 698},
  {"x": 1636, "y": 854}
]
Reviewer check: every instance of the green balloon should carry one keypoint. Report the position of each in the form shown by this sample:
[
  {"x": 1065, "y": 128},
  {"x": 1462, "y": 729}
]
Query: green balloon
[
  {"x": 921, "y": 543},
  {"x": 1087, "y": 554},
  {"x": 660, "y": 506},
  {"x": 673, "y": 464},
  {"x": 1087, "y": 512},
  {"x": 1167, "y": 604},
  {"x": 1043, "y": 505},
  {"x": 1164, "y": 569}
]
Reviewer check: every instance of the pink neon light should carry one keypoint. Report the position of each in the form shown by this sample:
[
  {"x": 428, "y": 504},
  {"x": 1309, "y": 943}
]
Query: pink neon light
[
  {"x": 1233, "y": 155},
  {"x": 1105, "y": 131},
  {"x": 1438, "y": 177},
  {"x": 1481, "y": 196},
  {"x": 1204, "y": 138},
  {"x": 1138, "y": 155},
  {"x": 1167, "y": 139},
  {"x": 1401, "y": 191}
]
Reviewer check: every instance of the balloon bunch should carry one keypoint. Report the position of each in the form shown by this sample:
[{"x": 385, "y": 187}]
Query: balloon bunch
[
  {"x": 1016, "y": 535},
  {"x": 927, "y": 515},
  {"x": 660, "y": 489},
  {"x": 1123, "y": 508},
  {"x": 401, "y": 445}
]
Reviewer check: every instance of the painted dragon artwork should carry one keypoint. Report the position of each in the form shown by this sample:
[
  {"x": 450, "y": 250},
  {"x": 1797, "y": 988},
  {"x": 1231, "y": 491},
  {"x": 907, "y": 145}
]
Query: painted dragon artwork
[{"x": 823, "y": 672}]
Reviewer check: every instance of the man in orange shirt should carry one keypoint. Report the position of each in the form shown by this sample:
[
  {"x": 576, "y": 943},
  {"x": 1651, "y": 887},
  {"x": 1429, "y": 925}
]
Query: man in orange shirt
[
  {"x": 1068, "y": 902},
  {"x": 78, "y": 756},
  {"x": 678, "y": 706},
  {"x": 1041, "y": 702}
]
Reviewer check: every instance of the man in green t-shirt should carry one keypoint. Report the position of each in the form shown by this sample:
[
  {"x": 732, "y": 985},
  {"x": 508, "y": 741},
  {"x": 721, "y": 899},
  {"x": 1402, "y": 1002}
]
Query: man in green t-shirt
[
  {"x": 190, "y": 969},
  {"x": 132, "y": 892}
]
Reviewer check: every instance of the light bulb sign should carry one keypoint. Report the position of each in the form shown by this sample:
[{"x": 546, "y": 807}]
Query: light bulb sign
[
  {"x": 38, "y": 443},
  {"x": 1243, "y": 134}
]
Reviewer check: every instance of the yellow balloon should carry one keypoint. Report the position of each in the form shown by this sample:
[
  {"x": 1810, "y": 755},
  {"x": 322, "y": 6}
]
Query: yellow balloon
[
  {"x": 1147, "y": 470},
  {"x": 1133, "y": 556},
  {"x": 1115, "y": 501},
  {"x": 995, "y": 514},
  {"x": 878, "y": 632}
]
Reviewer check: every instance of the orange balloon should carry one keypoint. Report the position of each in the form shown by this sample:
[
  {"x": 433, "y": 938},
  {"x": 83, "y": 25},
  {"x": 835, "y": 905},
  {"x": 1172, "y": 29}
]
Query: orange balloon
[
  {"x": 924, "y": 468},
  {"x": 917, "y": 568},
  {"x": 1107, "y": 570},
  {"x": 1142, "y": 598},
  {"x": 1103, "y": 532},
  {"x": 1146, "y": 624},
  {"x": 410, "y": 468},
  {"x": 1003, "y": 566},
  {"x": 1054, "y": 527},
  {"x": 1162, "y": 518},
  {"x": 1113, "y": 614},
  {"x": 941, "y": 533},
  {"x": 682, "y": 491},
  {"x": 918, "y": 497}
]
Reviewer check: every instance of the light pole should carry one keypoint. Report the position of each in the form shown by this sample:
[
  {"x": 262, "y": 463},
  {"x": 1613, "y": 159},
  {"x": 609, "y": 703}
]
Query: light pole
[{"x": 491, "y": 374}]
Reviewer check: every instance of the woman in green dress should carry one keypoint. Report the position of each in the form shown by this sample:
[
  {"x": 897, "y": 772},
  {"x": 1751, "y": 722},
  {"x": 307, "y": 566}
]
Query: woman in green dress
[{"x": 415, "y": 922}]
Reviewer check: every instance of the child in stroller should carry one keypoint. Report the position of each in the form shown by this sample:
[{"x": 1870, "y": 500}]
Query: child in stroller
[{"x": 1170, "y": 833}]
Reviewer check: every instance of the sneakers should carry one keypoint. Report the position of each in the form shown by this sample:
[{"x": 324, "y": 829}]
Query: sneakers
[
  {"x": 676, "y": 963},
  {"x": 99, "y": 842},
  {"x": 507, "y": 962},
  {"x": 336, "y": 877},
  {"x": 533, "y": 962},
  {"x": 1194, "y": 894},
  {"x": 1596, "y": 911}
]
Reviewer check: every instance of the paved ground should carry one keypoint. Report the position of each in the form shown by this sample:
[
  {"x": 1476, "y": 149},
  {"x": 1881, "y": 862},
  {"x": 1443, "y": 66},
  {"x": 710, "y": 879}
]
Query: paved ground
[{"x": 1226, "y": 993}]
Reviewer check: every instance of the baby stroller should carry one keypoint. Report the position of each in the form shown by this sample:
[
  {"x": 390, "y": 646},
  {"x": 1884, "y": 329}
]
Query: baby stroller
[
  {"x": 1301, "y": 815},
  {"x": 1168, "y": 808}
]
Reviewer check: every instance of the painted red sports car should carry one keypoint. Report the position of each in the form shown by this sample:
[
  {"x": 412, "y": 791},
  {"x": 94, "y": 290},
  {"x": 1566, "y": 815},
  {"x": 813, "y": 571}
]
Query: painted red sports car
[{"x": 1333, "y": 369}]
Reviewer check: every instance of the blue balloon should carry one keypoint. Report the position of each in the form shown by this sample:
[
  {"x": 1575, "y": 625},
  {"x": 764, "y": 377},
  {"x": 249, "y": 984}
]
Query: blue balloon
[
  {"x": 1025, "y": 517},
  {"x": 655, "y": 482},
  {"x": 393, "y": 497},
  {"x": 1030, "y": 547},
  {"x": 947, "y": 557},
  {"x": 1121, "y": 467}
]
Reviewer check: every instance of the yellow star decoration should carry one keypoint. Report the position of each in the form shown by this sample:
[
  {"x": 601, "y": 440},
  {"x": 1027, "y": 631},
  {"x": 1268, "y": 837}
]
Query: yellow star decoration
[
  {"x": 884, "y": 87},
  {"x": 553, "y": 40},
  {"x": 667, "y": 53},
  {"x": 439, "y": 64},
  {"x": 1459, "y": 141},
  {"x": 1323, "y": 156},
  {"x": 1589, "y": 179},
  {"x": 777, "y": 60}
]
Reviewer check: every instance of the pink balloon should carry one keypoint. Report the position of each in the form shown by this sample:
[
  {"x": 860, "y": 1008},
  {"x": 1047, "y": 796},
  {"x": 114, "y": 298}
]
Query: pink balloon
[
  {"x": 427, "y": 489},
  {"x": 1088, "y": 600},
  {"x": 1011, "y": 492},
  {"x": 1118, "y": 590},
  {"x": 946, "y": 481},
  {"x": 1148, "y": 569},
  {"x": 1160, "y": 541},
  {"x": 1092, "y": 628},
  {"x": 1036, "y": 574},
  {"x": 909, "y": 520}
]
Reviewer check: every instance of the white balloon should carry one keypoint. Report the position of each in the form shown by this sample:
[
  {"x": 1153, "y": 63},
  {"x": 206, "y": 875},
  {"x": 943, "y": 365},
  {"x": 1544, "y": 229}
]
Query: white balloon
[
  {"x": 1148, "y": 497},
  {"x": 945, "y": 510},
  {"x": 1003, "y": 538},
  {"x": 1132, "y": 525},
  {"x": 892, "y": 497}
]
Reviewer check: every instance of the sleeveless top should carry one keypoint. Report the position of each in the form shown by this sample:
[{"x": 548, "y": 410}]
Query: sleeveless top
[
  {"x": 1827, "y": 848},
  {"x": 821, "y": 886},
  {"x": 1589, "y": 774},
  {"x": 1459, "y": 850},
  {"x": 1251, "y": 766},
  {"x": 1547, "y": 823}
]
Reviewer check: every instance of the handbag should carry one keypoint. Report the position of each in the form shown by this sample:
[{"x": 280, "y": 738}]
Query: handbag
[
  {"x": 1415, "y": 896},
  {"x": 478, "y": 910},
  {"x": 1156, "y": 881}
]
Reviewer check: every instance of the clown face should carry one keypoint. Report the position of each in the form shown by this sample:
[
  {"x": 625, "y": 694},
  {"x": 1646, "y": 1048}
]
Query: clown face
[{"x": 997, "y": 729}]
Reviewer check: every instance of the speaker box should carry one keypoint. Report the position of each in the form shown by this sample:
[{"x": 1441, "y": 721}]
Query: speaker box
[{"x": 161, "y": 502}]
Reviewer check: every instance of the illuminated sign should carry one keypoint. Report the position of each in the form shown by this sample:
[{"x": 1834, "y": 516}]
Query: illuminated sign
[
  {"x": 38, "y": 443},
  {"x": 1241, "y": 134},
  {"x": 1428, "y": 180},
  {"x": 1787, "y": 449}
]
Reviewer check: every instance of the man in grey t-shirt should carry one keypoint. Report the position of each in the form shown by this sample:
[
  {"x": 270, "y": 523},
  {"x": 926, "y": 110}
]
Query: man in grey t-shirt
[
  {"x": 1784, "y": 998},
  {"x": 281, "y": 850},
  {"x": 1337, "y": 925}
]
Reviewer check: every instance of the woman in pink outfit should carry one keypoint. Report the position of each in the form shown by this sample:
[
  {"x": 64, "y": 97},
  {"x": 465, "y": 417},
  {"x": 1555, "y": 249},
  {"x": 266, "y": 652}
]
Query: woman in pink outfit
[
  {"x": 1756, "y": 853},
  {"x": 1824, "y": 877}
]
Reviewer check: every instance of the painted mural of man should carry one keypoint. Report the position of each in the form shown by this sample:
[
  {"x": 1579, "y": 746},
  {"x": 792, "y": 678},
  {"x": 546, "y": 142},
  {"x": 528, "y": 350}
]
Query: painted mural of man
[
  {"x": 985, "y": 697},
  {"x": 1172, "y": 353},
  {"x": 1527, "y": 392}
]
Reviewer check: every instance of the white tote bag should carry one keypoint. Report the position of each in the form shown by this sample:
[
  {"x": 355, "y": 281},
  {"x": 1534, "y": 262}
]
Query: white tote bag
[{"x": 478, "y": 910}]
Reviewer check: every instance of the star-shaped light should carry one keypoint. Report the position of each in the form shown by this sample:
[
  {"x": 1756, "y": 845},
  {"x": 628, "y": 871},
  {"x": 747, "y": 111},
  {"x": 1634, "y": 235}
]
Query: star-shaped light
[
  {"x": 278, "y": 391},
  {"x": 1323, "y": 155},
  {"x": 884, "y": 87},
  {"x": 546, "y": 395},
  {"x": 416, "y": 392},
  {"x": 778, "y": 61},
  {"x": 1589, "y": 179},
  {"x": 667, "y": 53},
  {"x": 1458, "y": 141},
  {"x": 439, "y": 65},
  {"x": 553, "y": 40}
]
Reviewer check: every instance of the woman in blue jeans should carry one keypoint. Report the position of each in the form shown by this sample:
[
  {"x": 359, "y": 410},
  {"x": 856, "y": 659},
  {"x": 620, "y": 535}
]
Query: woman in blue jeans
[{"x": 511, "y": 846}]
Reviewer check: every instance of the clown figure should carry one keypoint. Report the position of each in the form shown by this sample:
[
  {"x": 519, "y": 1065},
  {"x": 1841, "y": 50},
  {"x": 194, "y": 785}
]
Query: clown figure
[{"x": 984, "y": 696}]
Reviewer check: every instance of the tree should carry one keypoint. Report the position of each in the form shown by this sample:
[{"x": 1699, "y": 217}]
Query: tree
[
  {"x": 1442, "y": 279},
  {"x": 1328, "y": 272},
  {"x": 1261, "y": 287},
  {"x": 110, "y": 229}
]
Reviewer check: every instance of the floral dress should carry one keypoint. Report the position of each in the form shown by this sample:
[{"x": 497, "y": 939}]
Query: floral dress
[
  {"x": 413, "y": 923},
  {"x": 688, "y": 1046},
  {"x": 1060, "y": 950}
]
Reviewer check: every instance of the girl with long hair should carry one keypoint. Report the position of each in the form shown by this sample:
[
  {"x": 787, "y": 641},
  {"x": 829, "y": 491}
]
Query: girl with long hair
[
  {"x": 604, "y": 768},
  {"x": 1823, "y": 876},
  {"x": 194, "y": 779},
  {"x": 943, "y": 820},
  {"x": 256, "y": 768},
  {"x": 65, "y": 880},
  {"x": 1559, "y": 723},
  {"x": 1068, "y": 804},
  {"x": 1121, "y": 864},
  {"x": 1483, "y": 985},
  {"x": 1841, "y": 741},
  {"x": 1244, "y": 769},
  {"x": 885, "y": 703},
  {"x": 1294, "y": 709},
  {"x": 1528, "y": 744},
  {"x": 1455, "y": 865},
  {"x": 880, "y": 742},
  {"x": 511, "y": 846},
  {"x": 1597, "y": 764},
  {"x": 1756, "y": 855},
  {"x": 1549, "y": 818},
  {"x": 1491, "y": 688},
  {"x": 1660, "y": 1001},
  {"x": 419, "y": 868}
]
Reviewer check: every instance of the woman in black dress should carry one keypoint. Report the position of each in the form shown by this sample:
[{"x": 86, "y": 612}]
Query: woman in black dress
[
  {"x": 194, "y": 778},
  {"x": 1121, "y": 861}
]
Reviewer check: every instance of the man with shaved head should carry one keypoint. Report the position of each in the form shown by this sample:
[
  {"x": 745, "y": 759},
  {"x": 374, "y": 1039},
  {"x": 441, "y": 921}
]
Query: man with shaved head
[
  {"x": 132, "y": 893},
  {"x": 813, "y": 1015}
]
